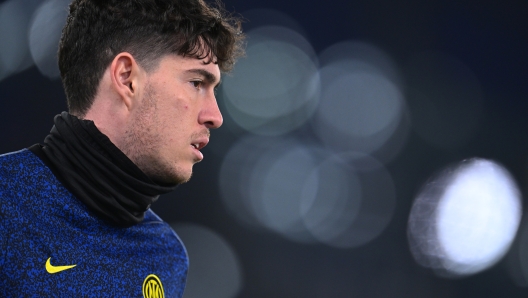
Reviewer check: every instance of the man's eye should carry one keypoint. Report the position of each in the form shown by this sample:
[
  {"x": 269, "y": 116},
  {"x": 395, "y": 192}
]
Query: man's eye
[{"x": 197, "y": 84}]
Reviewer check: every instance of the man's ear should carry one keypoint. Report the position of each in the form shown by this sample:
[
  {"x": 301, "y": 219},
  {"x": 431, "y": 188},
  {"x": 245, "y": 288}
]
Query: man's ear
[{"x": 126, "y": 77}]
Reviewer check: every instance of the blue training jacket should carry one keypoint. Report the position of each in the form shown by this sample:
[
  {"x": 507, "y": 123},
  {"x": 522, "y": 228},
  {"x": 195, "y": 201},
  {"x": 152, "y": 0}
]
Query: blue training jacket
[{"x": 52, "y": 246}]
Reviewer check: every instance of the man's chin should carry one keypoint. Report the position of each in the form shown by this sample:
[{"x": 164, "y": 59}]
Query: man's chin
[
  {"x": 185, "y": 179},
  {"x": 172, "y": 178},
  {"x": 178, "y": 180}
]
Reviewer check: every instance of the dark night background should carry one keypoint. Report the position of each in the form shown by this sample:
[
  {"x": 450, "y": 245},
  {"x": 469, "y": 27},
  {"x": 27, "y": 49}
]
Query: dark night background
[{"x": 489, "y": 37}]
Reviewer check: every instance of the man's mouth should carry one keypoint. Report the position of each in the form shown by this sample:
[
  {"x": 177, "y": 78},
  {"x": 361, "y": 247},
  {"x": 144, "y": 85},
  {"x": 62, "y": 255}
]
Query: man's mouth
[{"x": 199, "y": 145}]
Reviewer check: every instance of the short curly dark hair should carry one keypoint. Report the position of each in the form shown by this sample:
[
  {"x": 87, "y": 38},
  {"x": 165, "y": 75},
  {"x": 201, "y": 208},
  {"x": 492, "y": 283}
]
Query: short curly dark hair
[{"x": 97, "y": 30}]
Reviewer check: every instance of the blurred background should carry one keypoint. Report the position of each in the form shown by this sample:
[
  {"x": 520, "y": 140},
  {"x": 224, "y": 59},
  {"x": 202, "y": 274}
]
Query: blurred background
[{"x": 369, "y": 148}]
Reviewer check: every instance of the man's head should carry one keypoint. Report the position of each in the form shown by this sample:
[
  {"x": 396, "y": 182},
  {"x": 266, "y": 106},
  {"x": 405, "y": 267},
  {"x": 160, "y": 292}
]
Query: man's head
[
  {"x": 145, "y": 72},
  {"x": 97, "y": 30}
]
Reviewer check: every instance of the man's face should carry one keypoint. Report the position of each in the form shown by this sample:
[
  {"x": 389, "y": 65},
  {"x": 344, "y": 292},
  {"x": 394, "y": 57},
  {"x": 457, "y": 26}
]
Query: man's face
[{"x": 172, "y": 121}]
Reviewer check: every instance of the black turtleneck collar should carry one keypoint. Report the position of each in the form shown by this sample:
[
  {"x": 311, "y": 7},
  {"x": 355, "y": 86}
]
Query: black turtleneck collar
[{"x": 97, "y": 172}]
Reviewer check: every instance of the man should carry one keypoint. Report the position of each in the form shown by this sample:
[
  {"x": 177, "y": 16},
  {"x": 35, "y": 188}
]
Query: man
[{"x": 139, "y": 77}]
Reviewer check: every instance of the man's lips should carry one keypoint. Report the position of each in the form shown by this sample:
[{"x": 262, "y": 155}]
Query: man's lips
[{"x": 198, "y": 144}]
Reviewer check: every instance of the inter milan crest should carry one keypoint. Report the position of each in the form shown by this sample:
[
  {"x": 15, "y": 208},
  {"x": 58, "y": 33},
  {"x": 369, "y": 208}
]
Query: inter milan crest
[{"x": 152, "y": 287}]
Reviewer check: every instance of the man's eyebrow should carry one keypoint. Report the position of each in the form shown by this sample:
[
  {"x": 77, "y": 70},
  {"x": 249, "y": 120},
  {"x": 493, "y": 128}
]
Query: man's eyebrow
[{"x": 209, "y": 77}]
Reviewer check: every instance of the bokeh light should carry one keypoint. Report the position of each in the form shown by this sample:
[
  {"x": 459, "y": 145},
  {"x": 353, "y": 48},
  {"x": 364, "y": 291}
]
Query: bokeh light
[
  {"x": 335, "y": 201},
  {"x": 44, "y": 35},
  {"x": 260, "y": 17},
  {"x": 14, "y": 23},
  {"x": 275, "y": 89},
  {"x": 364, "y": 201},
  {"x": 367, "y": 58},
  {"x": 465, "y": 220},
  {"x": 306, "y": 193},
  {"x": 214, "y": 268},
  {"x": 518, "y": 265},
  {"x": 235, "y": 175},
  {"x": 362, "y": 104},
  {"x": 445, "y": 99},
  {"x": 280, "y": 181}
]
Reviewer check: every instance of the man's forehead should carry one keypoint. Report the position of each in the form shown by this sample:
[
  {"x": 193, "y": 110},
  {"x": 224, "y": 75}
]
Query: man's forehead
[{"x": 193, "y": 64}]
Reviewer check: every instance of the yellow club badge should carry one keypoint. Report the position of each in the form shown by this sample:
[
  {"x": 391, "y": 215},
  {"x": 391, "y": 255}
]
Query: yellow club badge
[{"x": 152, "y": 287}]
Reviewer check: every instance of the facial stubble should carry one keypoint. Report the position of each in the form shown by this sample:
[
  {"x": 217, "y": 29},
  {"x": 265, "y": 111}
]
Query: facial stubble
[{"x": 143, "y": 142}]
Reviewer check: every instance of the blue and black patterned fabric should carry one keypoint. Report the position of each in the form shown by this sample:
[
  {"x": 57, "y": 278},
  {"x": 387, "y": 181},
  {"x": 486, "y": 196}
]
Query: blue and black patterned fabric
[{"x": 42, "y": 222}]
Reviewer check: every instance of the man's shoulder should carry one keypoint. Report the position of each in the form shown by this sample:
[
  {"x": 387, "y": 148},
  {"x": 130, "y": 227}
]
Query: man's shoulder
[
  {"x": 18, "y": 164},
  {"x": 24, "y": 176},
  {"x": 15, "y": 155},
  {"x": 154, "y": 223},
  {"x": 19, "y": 159},
  {"x": 17, "y": 183},
  {"x": 150, "y": 216}
]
